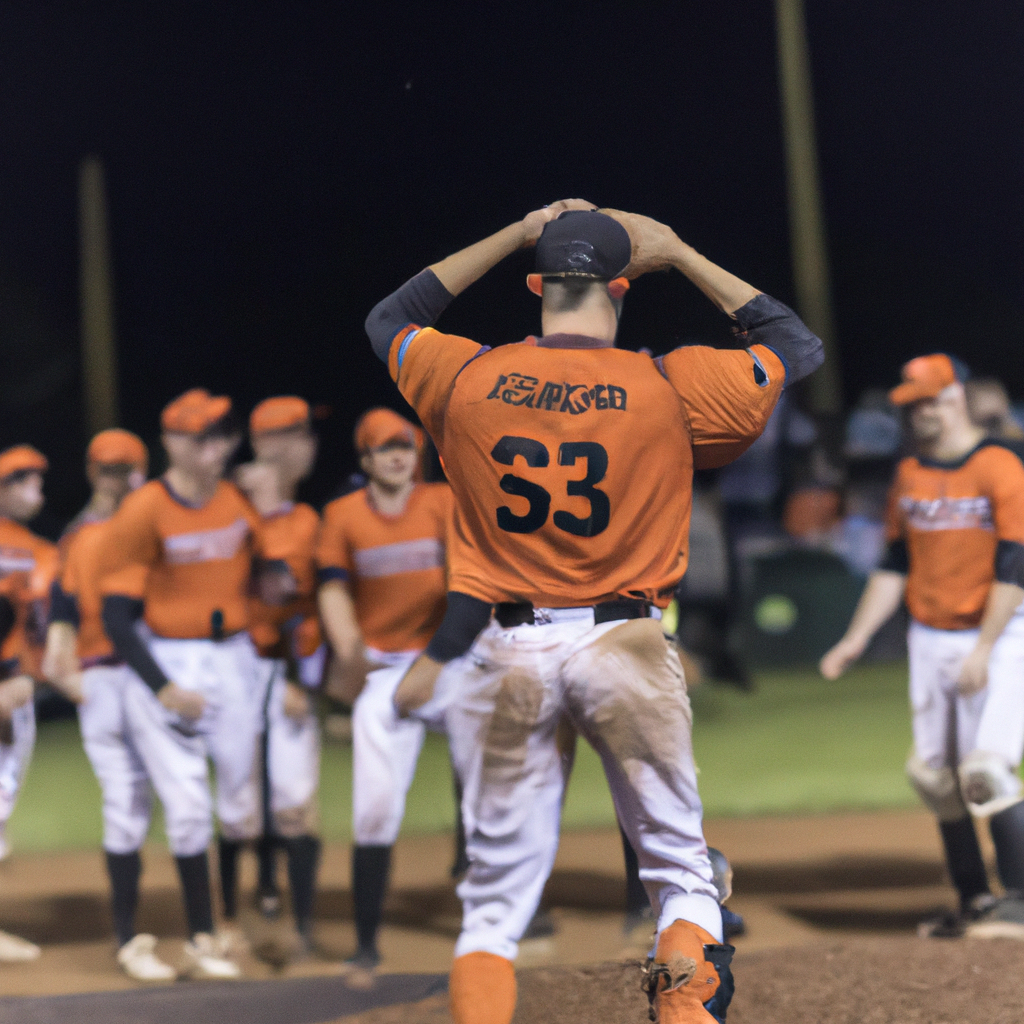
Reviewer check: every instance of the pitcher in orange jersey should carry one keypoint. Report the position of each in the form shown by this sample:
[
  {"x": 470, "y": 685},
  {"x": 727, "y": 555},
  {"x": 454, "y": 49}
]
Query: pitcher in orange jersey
[
  {"x": 956, "y": 555},
  {"x": 195, "y": 688},
  {"x": 571, "y": 463},
  {"x": 28, "y": 565},
  {"x": 286, "y": 631}
]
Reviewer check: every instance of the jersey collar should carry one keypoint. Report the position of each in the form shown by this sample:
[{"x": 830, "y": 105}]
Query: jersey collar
[{"x": 567, "y": 341}]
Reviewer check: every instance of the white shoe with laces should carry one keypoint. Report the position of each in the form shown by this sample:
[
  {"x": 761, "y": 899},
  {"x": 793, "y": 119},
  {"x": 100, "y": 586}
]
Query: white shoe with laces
[
  {"x": 204, "y": 959},
  {"x": 138, "y": 960},
  {"x": 17, "y": 951}
]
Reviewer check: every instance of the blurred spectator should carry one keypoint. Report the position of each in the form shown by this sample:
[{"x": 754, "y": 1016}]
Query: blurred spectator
[
  {"x": 811, "y": 514},
  {"x": 989, "y": 408},
  {"x": 873, "y": 430}
]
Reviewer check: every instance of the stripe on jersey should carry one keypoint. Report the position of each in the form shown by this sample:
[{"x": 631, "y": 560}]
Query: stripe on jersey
[
  {"x": 406, "y": 556},
  {"x": 948, "y": 513},
  {"x": 206, "y": 545},
  {"x": 15, "y": 560}
]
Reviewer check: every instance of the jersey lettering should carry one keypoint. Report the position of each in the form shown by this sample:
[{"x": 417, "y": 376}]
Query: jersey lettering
[
  {"x": 206, "y": 545},
  {"x": 405, "y": 556},
  {"x": 537, "y": 456},
  {"x": 948, "y": 513},
  {"x": 522, "y": 390}
]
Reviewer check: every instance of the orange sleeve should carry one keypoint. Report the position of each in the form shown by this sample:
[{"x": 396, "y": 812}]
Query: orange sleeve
[
  {"x": 333, "y": 559},
  {"x": 130, "y": 535},
  {"x": 895, "y": 526},
  {"x": 1007, "y": 495},
  {"x": 424, "y": 364},
  {"x": 69, "y": 576},
  {"x": 46, "y": 570},
  {"x": 127, "y": 582},
  {"x": 729, "y": 395}
]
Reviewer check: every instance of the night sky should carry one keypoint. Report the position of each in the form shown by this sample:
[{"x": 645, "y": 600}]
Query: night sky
[{"x": 273, "y": 170}]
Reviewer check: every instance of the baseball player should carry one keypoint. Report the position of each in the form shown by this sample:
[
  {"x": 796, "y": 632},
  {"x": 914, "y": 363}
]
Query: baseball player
[
  {"x": 955, "y": 527},
  {"x": 80, "y": 661},
  {"x": 381, "y": 557},
  {"x": 285, "y": 629},
  {"x": 28, "y": 565},
  {"x": 571, "y": 462},
  {"x": 194, "y": 690}
]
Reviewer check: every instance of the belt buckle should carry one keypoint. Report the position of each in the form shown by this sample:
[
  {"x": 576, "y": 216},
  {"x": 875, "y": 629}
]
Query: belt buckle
[{"x": 541, "y": 617}]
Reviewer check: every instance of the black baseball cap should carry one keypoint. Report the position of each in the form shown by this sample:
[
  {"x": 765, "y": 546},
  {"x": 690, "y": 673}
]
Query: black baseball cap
[{"x": 583, "y": 243}]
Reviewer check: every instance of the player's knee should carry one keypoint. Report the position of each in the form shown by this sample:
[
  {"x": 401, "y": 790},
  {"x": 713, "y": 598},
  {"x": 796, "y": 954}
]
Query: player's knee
[
  {"x": 293, "y": 822},
  {"x": 188, "y": 836},
  {"x": 938, "y": 788},
  {"x": 988, "y": 783}
]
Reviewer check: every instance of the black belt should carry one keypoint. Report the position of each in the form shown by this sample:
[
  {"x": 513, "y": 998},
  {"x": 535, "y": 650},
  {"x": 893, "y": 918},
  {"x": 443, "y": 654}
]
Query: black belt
[{"x": 521, "y": 613}]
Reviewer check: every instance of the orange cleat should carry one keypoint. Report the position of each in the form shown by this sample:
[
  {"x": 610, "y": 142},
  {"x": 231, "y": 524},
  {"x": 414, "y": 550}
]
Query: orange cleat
[
  {"x": 687, "y": 971},
  {"x": 482, "y": 989}
]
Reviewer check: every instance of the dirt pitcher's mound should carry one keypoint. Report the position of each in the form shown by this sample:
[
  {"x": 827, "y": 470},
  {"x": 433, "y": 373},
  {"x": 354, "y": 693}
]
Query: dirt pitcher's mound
[{"x": 883, "y": 981}]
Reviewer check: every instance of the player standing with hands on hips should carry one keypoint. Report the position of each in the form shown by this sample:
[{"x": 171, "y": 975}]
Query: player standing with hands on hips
[
  {"x": 955, "y": 526},
  {"x": 571, "y": 462}
]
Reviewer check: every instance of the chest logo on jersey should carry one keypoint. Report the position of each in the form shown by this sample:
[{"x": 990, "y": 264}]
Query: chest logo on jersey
[
  {"x": 947, "y": 513},
  {"x": 206, "y": 545},
  {"x": 406, "y": 556},
  {"x": 14, "y": 560},
  {"x": 521, "y": 389}
]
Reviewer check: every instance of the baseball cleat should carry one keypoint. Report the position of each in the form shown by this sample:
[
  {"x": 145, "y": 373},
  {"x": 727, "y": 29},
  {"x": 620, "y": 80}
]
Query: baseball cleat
[
  {"x": 204, "y": 959},
  {"x": 138, "y": 960},
  {"x": 733, "y": 924},
  {"x": 1004, "y": 920},
  {"x": 950, "y": 924},
  {"x": 230, "y": 941},
  {"x": 17, "y": 951}
]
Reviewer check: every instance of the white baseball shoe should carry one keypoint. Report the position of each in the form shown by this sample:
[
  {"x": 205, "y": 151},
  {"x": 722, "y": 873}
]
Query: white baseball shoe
[
  {"x": 230, "y": 941},
  {"x": 17, "y": 951},
  {"x": 138, "y": 960},
  {"x": 204, "y": 959}
]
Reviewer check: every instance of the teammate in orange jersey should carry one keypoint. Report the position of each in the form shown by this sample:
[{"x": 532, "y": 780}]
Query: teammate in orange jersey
[
  {"x": 381, "y": 556},
  {"x": 285, "y": 629},
  {"x": 80, "y": 661},
  {"x": 194, "y": 691},
  {"x": 956, "y": 555},
  {"x": 571, "y": 463},
  {"x": 28, "y": 565}
]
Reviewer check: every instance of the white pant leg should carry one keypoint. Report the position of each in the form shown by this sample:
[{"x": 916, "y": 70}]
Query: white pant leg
[
  {"x": 293, "y": 761},
  {"x": 1001, "y": 724},
  {"x": 119, "y": 770},
  {"x": 502, "y": 726},
  {"x": 174, "y": 756},
  {"x": 626, "y": 692},
  {"x": 385, "y": 749},
  {"x": 15, "y": 757},
  {"x": 941, "y": 719}
]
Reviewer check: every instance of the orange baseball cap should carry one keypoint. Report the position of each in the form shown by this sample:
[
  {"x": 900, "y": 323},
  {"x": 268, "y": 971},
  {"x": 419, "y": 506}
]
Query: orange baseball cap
[
  {"x": 924, "y": 377},
  {"x": 22, "y": 458},
  {"x": 379, "y": 426},
  {"x": 117, "y": 448},
  {"x": 279, "y": 413},
  {"x": 194, "y": 412}
]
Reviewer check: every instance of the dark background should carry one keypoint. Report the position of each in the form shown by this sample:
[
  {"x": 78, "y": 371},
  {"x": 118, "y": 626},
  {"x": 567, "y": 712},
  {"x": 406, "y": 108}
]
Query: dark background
[{"x": 275, "y": 169}]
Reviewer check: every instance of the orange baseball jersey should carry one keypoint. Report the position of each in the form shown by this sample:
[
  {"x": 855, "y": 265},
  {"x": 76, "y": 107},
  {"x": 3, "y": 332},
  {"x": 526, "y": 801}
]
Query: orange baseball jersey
[
  {"x": 952, "y": 518},
  {"x": 81, "y": 579},
  {"x": 572, "y": 464},
  {"x": 395, "y": 565},
  {"x": 199, "y": 559},
  {"x": 288, "y": 542},
  {"x": 28, "y": 566}
]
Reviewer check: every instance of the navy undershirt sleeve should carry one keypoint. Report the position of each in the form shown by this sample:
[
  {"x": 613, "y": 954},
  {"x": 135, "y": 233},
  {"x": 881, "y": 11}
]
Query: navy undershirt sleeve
[
  {"x": 421, "y": 300},
  {"x": 63, "y": 606},
  {"x": 463, "y": 620},
  {"x": 120, "y": 614},
  {"x": 1010, "y": 562},
  {"x": 766, "y": 321},
  {"x": 897, "y": 558}
]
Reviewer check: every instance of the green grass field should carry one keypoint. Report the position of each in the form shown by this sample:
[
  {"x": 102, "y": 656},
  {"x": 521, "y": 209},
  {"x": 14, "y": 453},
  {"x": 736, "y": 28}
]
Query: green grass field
[{"x": 797, "y": 744}]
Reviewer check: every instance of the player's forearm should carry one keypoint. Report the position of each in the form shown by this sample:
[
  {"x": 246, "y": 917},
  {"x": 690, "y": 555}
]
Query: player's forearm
[
  {"x": 1003, "y": 600},
  {"x": 458, "y": 271},
  {"x": 338, "y": 615},
  {"x": 727, "y": 291},
  {"x": 881, "y": 598},
  {"x": 120, "y": 614},
  {"x": 59, "y": 655}
]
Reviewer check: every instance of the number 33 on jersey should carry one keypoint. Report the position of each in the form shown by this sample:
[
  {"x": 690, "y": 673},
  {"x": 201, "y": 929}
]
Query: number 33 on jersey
[{"x": 545, "y": 442}]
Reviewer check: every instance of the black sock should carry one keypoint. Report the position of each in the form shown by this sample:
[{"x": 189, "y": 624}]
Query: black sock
[
  {"x": 636, "y": 894},
  {"x": 266, "y": 857},
  {"x": 303, "y": 858},
  {"x": 227, "y": 858},
  {"x": 124, "y": 870},
  {"x": 370, "y": 866},
  {"x": 194, "y": 872},
  {"x": 963, "y": 858},
  {"x": 1008, "y": 836}
]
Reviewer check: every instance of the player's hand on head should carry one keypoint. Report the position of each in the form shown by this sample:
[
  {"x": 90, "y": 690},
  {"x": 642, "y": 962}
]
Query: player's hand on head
[
  {"x": 296, "y": 701},
  {"x": 534, "y": 222},
  {"x": 655, "y": 245},
  {"x": 840, "y": 658},
  {"x": 973, "y": 676},
  {"x": 182, "y": 702},
  {"x": 15, "y": 693}
]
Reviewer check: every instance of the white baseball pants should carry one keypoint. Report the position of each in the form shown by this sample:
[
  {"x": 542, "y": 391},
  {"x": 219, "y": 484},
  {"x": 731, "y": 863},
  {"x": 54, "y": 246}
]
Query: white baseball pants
[
  {"x": 174, "y": 750},
  {"x": 124, "y": 784},
  {"x": 948, "y": 727},
  {"x": 622, "y": 686},
  {"x": 293, "y": 759},
  {"x": 15, "y": 758}
]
